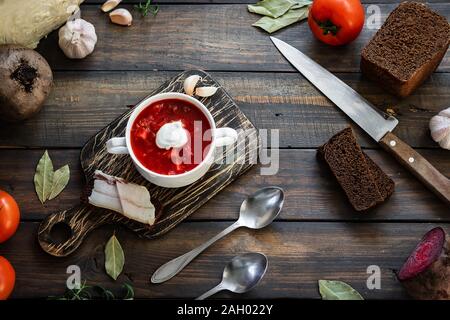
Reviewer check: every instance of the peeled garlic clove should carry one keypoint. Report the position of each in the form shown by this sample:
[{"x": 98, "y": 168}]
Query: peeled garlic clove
[
  {"x": 440, "y": 128},
  {"x": 122, "y": 17},
  {"x": 205, "y": 92},
  {"x": 190, "y": 83},
  {"x": 110, "y": 4}
]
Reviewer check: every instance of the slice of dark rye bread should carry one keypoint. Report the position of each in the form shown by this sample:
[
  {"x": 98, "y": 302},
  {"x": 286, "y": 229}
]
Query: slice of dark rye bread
[
  {"x": 407, "y": 49},
  {"x": 362, "y": 180}
]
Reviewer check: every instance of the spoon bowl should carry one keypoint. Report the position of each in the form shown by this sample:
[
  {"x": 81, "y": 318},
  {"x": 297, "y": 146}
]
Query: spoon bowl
[
  {"x": 241, "y": 274},
  {"x": 261, "y": 208},
  {"x": 244, "y": 272},
  {"x": 257, "y": 211}
]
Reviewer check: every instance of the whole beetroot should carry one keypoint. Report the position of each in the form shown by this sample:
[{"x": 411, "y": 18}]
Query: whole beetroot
[{"x": 26, "y": 80}]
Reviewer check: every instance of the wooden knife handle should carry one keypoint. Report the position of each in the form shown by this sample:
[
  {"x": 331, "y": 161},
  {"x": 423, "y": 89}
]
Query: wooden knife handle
[{"x": 418, "y": 165}]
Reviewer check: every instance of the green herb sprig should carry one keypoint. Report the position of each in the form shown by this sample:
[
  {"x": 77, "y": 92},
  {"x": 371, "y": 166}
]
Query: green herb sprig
[
  {"x": 86, "y": 292},
  {"x": 144, "y": 9}
]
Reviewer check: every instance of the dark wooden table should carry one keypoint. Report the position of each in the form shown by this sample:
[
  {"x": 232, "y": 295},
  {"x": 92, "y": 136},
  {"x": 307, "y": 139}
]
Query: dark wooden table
[{"x": 318, "y": 235}]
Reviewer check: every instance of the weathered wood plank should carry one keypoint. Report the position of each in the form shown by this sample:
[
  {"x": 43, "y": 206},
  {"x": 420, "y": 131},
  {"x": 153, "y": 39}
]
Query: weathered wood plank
[
  {"x": 82, "y": 103},
  {"x": 311, "y": 192},
  {"x": 210, "y": 37},
  {"x": 201, "y": 2},
  {"x": 299, "y": 255}
]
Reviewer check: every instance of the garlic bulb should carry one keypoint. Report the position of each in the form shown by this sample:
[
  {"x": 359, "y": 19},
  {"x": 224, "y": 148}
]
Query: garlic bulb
[
  {"x": 77, "y": 39},
  {"x": 440, "y": 128}
]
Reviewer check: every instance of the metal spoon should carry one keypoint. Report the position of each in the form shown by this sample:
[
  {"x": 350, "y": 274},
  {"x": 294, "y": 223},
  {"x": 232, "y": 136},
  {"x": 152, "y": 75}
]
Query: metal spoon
[
  {"x": 257, "y": 211},
  {"x": 241, "y": 274}
]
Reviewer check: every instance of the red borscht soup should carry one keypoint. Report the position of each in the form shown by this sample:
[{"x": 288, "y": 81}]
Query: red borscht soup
[{"x": 151, "y": 119}]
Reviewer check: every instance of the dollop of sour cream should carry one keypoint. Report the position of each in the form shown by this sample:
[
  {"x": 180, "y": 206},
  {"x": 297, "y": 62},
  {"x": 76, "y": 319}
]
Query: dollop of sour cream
[{"x": 171, "y": 135}]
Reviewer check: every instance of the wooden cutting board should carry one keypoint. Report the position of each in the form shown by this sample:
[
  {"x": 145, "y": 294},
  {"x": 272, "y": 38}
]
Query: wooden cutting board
[{"x": 172, "y": 205}]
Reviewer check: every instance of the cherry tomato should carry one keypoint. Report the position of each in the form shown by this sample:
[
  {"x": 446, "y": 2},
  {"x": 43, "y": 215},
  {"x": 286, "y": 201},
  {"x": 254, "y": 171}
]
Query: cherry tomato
[
  {"x": 336, "y": 22},
  {"x": 9, "y": 216},
  {"x": 7, "y": 278}
]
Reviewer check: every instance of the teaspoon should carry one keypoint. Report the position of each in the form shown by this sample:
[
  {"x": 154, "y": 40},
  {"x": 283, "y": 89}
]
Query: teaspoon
[
  {"x": 257, "y": 211},
  {"x": 241, "y": 274}
]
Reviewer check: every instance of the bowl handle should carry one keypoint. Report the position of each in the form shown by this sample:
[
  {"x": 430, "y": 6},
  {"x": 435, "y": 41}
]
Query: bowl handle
[
  {"x": 225, "y": 136},
  {"x": 117, "y": 145}
]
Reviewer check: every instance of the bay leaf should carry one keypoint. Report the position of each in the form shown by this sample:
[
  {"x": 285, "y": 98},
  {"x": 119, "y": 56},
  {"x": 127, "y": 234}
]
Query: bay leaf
[
  {"x": 337, "y": 290},
  {"x": 43, "y": 178},
  {"x": 271, "y": 25},
  {"x": 114, "y": 258},
  {"x": 271, "y": 8},
  {"x": 276, "y": 8},
  {"x": 60, "y": 179},
  {"x": 301, "y": 3}
]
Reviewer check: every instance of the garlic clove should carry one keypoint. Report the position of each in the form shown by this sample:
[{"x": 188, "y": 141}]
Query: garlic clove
[
  {"x": 440, "y": 128},
  {"x": 121, "y": 17},
  {"x": 205, "y": 92},
  {"x": 110, "y": 4},
  {"x": 190, "y": 83}
]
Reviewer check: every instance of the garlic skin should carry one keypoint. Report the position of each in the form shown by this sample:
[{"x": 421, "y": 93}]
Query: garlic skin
[
  {"x": 205, "y": 92},
  {"x": 190, "y": 83},
  {"x": 77, "y": 39},
  {"x": 110, "y": 4},
  {"x": 440, "y": 128},
  {"x": 121, "y": 17}
]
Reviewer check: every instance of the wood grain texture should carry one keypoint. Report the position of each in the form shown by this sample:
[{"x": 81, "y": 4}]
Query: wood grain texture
[
  {"x": 217, "y": 35},
  {"x": 83, "y": 102},
  {"x": 208, "y": 37},
  {"x": 299, "y": 255},
  {"x": 311, "y": 192},
  {"x": 173, "y": 205},
  {"x": 418, "y": 165},
  {"x": 200, "y": 2}
]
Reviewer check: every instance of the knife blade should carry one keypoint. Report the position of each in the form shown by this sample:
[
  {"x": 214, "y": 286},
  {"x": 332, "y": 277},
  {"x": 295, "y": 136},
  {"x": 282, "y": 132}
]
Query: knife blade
[{"x": 374, "y": 122}]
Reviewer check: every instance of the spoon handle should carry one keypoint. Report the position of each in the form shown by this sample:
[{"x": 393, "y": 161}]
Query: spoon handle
[
  {"x": 173, "y": 267},
  {"x": 209, "y": 293}
]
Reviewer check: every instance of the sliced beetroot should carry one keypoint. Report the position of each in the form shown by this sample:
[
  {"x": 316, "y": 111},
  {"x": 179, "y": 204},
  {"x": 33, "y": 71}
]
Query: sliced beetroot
[
  {"x": 426, "y": 273},
  {"x": 426, "y": 253}
]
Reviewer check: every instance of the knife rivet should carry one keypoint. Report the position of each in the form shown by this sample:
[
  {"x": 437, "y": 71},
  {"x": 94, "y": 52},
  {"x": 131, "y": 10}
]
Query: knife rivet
[
  {"x": 392, "y": 143},
  {"x": 411, "y": 160}
]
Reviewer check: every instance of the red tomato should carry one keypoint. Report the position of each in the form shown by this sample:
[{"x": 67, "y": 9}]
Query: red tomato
[
  {"x": 9, "y": 216},
  {"x": 7, "y": 278},
  {"x": 336, "y": 22}
]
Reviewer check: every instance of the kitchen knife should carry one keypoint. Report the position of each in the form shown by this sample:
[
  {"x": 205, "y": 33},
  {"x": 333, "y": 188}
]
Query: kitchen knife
[{"x": 375, "y": 123}]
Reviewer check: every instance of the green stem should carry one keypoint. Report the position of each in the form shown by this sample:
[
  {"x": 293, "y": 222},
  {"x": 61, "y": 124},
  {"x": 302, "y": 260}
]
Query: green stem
[{"x": 328, "y": 27}]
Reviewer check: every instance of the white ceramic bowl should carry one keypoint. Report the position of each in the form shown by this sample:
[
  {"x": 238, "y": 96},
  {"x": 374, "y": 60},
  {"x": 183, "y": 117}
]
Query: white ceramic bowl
[{"x": 220, "y": 137}]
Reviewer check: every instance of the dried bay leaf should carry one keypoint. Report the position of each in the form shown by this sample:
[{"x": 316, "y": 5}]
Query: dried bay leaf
[
  {"x": 43, "y": 178},
  {"x": 276, "y": 8},
  {"x": 301, "y": 3},
  {"x": 60, "y": 180},
  {"x": 271, "y": 8},
  {"x": 337, "y": 290},
  {"x": 292, "y": 16},
  {"x": 114, "y": 258}
]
